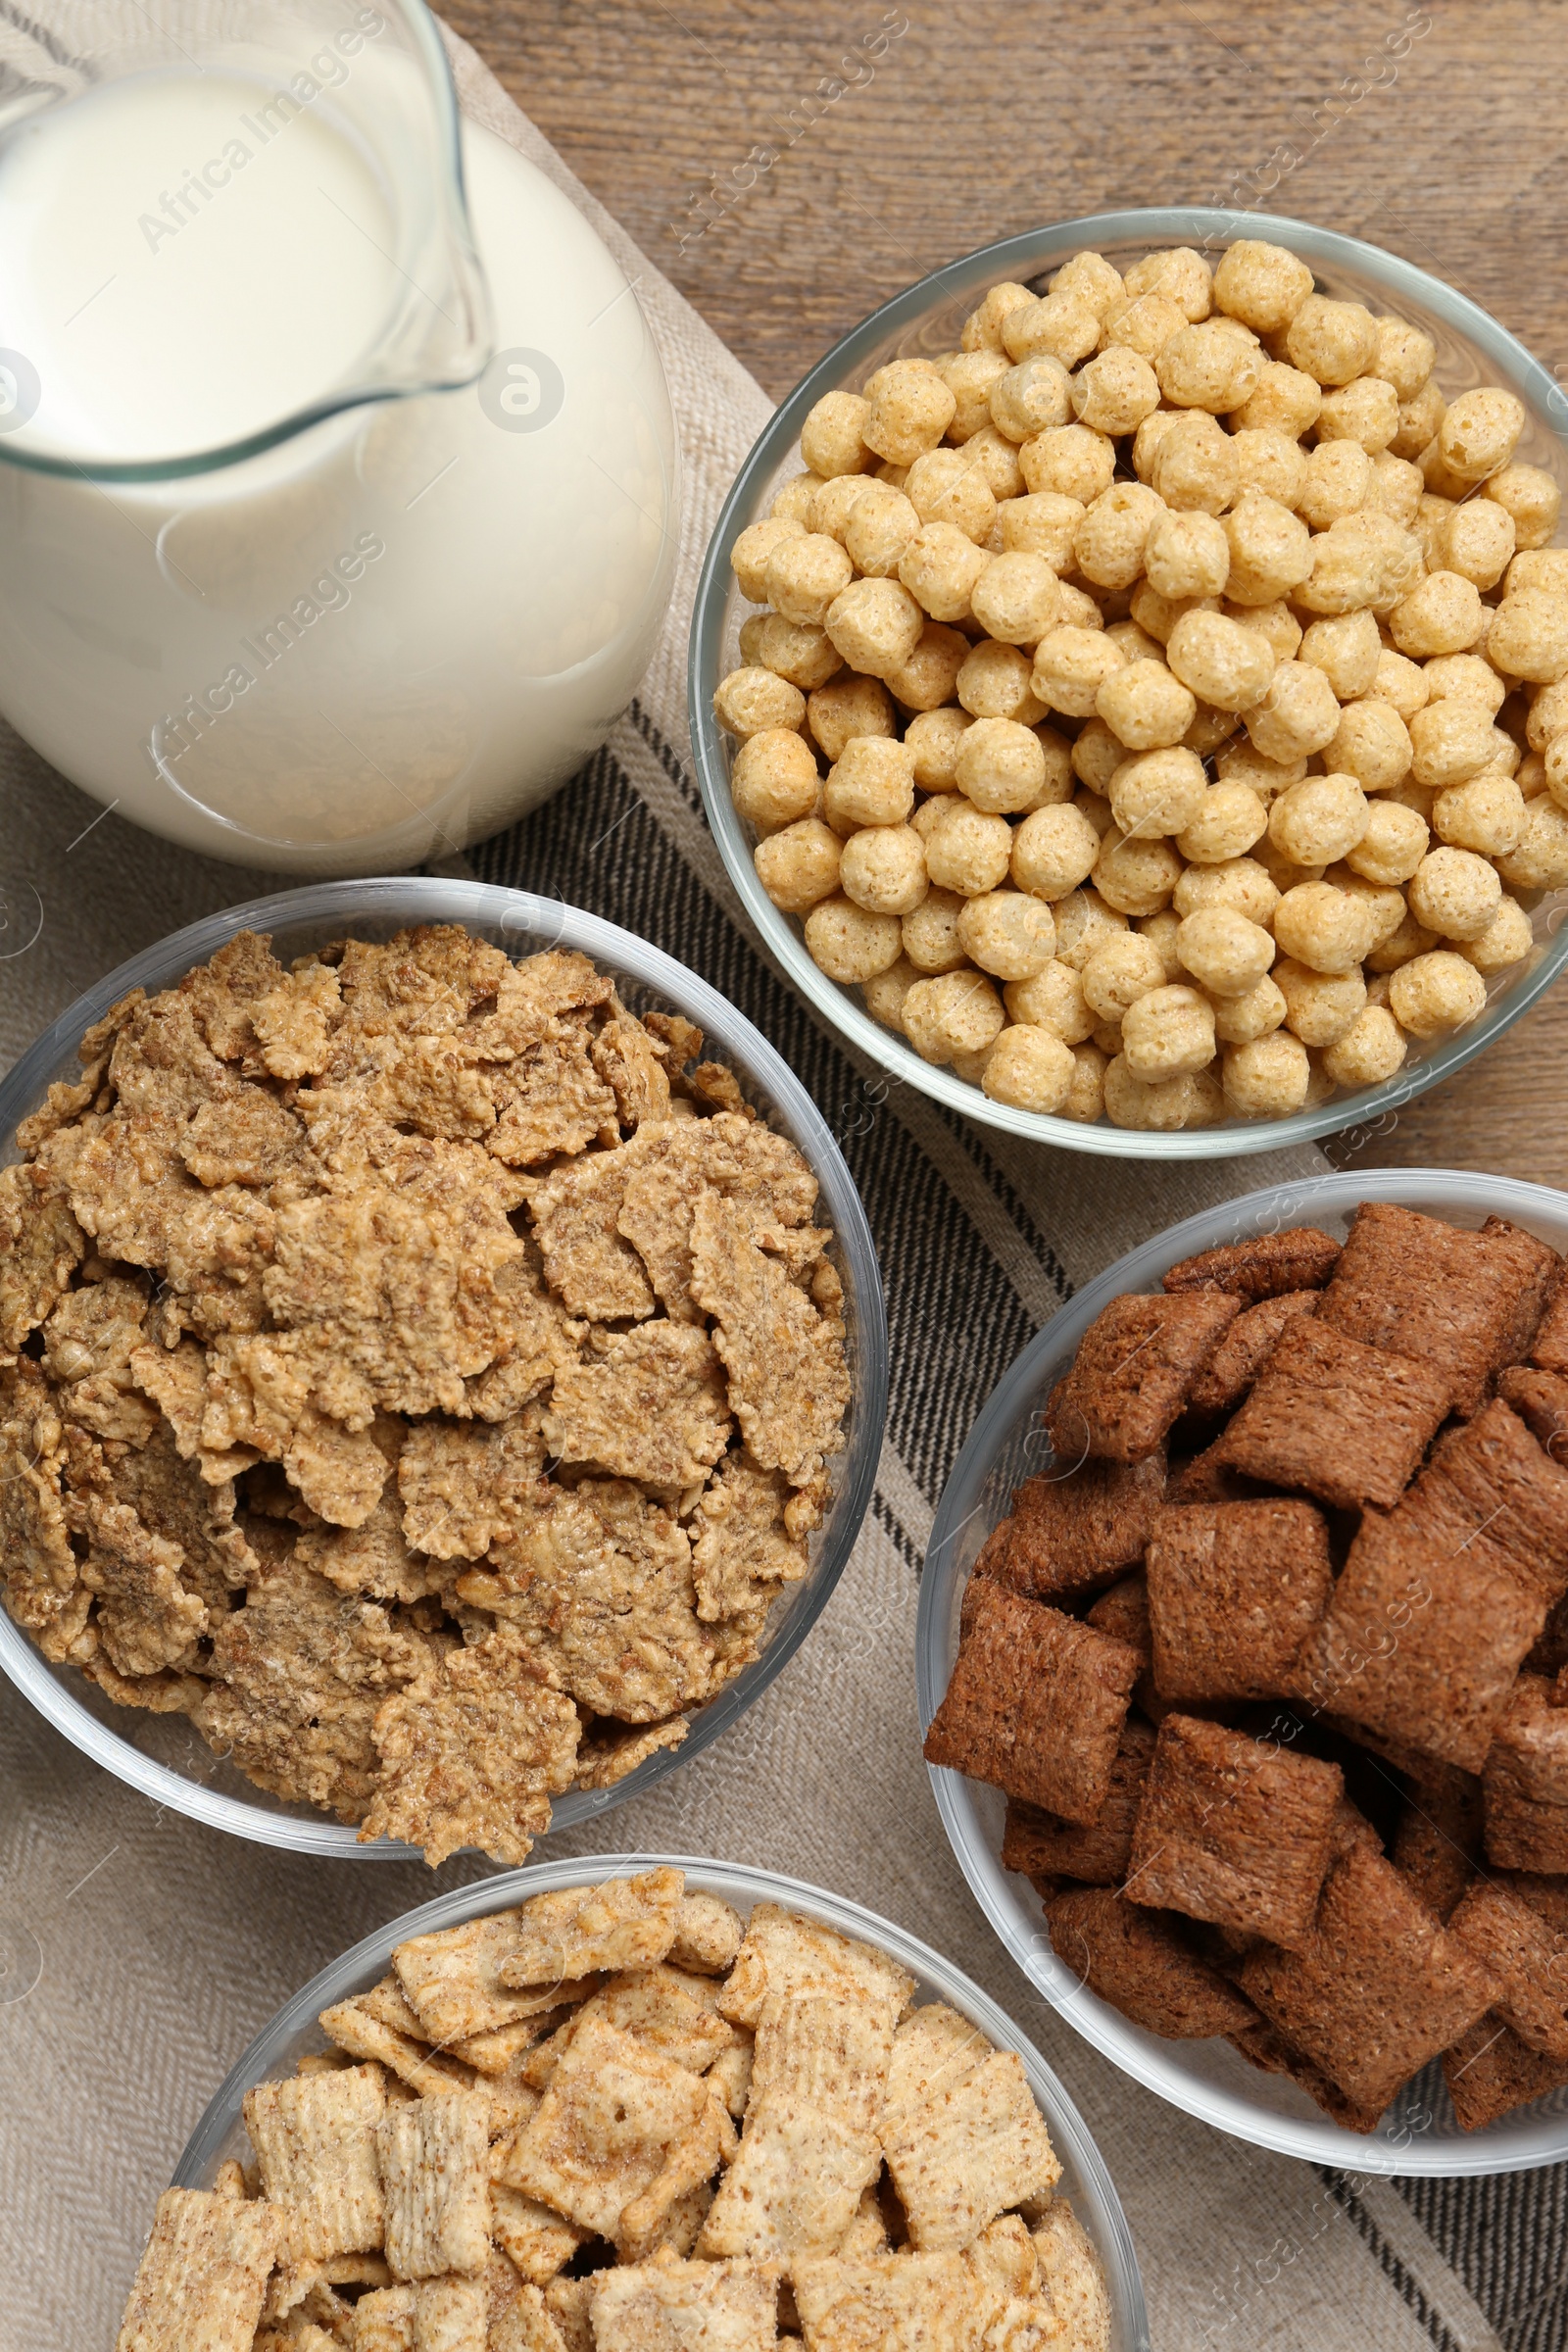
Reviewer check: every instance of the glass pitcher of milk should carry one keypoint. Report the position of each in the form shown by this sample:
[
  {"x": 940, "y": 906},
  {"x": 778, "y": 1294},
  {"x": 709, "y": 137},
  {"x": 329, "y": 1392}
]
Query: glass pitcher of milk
[{"x": 338, "y": 479}]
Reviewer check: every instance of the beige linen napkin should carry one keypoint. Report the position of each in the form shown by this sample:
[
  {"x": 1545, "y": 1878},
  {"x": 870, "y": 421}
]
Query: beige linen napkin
[{"x": 139, "y": 1953}]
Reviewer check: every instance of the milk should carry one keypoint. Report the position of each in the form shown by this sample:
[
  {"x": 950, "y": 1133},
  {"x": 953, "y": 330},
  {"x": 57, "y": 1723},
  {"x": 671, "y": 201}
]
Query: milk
[{"x": 395, "y": 629}]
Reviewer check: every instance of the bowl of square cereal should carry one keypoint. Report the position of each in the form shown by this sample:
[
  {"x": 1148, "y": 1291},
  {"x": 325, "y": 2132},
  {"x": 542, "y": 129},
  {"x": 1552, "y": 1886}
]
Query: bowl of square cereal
[
  {"x": 690, "y": 2102},
  {"x": 1143, "y": 725},
  {"x": 432, "y": 1394},
  {"x": 1242, "y": 1665}
]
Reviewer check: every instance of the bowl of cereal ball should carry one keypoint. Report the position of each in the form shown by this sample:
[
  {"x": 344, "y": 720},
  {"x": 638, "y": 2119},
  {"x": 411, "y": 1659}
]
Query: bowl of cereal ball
[
  {"x": 1129, "y": 682},
  {"x": 1243, "y": 1661},
  {"x": 442, "y": 1369},
  {"x": 686, "y": 2103}
]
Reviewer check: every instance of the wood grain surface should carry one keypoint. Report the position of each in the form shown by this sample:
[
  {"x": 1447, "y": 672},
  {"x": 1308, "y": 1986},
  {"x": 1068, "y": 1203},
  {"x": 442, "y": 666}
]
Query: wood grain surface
[{"x": 791, "y": 164}]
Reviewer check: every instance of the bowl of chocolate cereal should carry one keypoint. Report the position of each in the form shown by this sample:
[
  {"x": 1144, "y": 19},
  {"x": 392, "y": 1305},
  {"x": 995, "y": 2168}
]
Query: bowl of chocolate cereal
[
  {"x": 442, "y": 1368},
  {"x": 573, "y": 2108},
  {"x": 1128, "y": 683},
  {"x": 1243, "y": 1662}
]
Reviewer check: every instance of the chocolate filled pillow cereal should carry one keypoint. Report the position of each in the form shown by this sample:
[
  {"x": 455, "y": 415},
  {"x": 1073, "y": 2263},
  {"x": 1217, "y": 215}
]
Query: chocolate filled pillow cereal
[
  {"x": 680, "y": 2131},
  {"x": 1203, "y": 567},
  {"x": 416, "y": 1369}
]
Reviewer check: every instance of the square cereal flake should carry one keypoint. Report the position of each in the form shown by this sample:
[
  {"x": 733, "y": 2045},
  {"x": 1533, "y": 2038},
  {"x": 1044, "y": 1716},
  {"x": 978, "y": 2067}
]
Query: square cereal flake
[
  {"x": 1234, "y": 1829},
  {"x": 1301, "y": 1258},
  {"x": 1346, "y": 1422},
  {"x": 1134, "y": 1368},
  {"x": 1235, "y": 1589},
  {"x": 200, "y": 2282}
]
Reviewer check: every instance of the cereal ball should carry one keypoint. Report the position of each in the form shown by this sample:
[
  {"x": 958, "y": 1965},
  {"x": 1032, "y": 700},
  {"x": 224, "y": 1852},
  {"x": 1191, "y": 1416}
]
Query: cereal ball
[
  {"x": 1052, "y": 998},
  {"x": 1539, "y": 567},
  {"x": 1059, "y": 777},
  {"x": 751, "y": 636},
  {"x": 1548, "y": 714},
  {"x": 1466, "y": 677},
  {"x": 1145, "y": 707},
  {"x": 1177, "y": 274},
  {"x": 1268, "y": 1078},
  {"x": 1229, "y": 820},
  {"x": 1269, "y": 462},
  {"x": 1401, "y": 683},
  {"x": 1296, "y": 716},
  {"x": 1030, "y": 1069},
  {"x": 1392, "y": 845},
  {"x": 1442, "y": 614},
  {"x": 875, "y": 626},
  {"x": 1480, "y": 432},
  {"x": 848, "y": 941},
  {"x": 956, "y": 1012},
  {"x": 930, "y": 676},
  {"x": 1346, "y": 648},
  {"x": 1086, "y": 1095},
  {"x": 880, "y": 528},
  {"x": 1083, "y": 923},
  {"x": 1408, "y": 939},
  {"x": 1016, "y": 599},
  {"x": 1096, "y": 753},
  {"x": 1338, "y": 481},
  {"x": 1136, "y": 644},
  {"x": 1090, "y": 280},
  {"x": 1108, "y": 543},
  {"x": 1435, "y": 993},
  {"x": 1332, "y": 341},
  {"x": 1450, "y": 740},
  {"x": 993, "y": 682},
  {"x": 1187, "y": 554},
  {"x": 996, "y": 458},
  {"x": 1210, "y": 728},
  {"x": 944, "y": 486},
  {"x": 968, "y": 849},
  {"x": 1158, "y": 792},
  {"x": 1554, "y": 769},
  {"x": 1052, "y": 852},
  {"x": 1507, "y": 939},
  {"x": 1319, "y": 1006},
  {"x": 1156, "y": 615},
  {"x": 749, "y": 557},
  {"x": 1223, "y": 664},
  {"x": 1319, "y": 820},
  {"x": 1195, "y": 468},
  {"x": 774, "y": 781},
  {"x": 1052, "y": 327},
  {"x": 1160, "y": 930},
  {"x": 1455, "y": 893},
  {"x": 1368, "y": 1051},
  {"x": 1123, "y": 967},
  {"x": 1396, "y": 489},
  {"x": 1284, "y": 401},
  {"x": 833, "y": 436},
  {"x": 884, "y": 993},
  {"x": 1144, "y": 322},
  {"x": 1419, "y": 420},
  {"x": 1030, "y": 399},
  {"x": 1241, "y": 883},
  {"x": 1541, "y": 861},
  {"x": 939, "y": 570},
  {"x": 1001, "y": 766},
  {"x": 796, "y": 502},
  {"x": 971, "y": 379},
  {"x": 1044, "y": 523},
  {"x": 1404, "y": 357},
  {"x": 1531, "y": 775},
  {"x": 982, "y": 330},
  {"x": 1242, "y": 763},
  {"x": 930, "y": 933},
  {"x": 1274, "y": 622},
  {"x": 1528, "y": 637},
  {"x": 1214, "y": 365},
  {"x": 1366, "y": 411},
  {"x": 833, "y": 504},
  {"x": 1070, "y": 666},
  {"x": 1477, "y": 541},
  {"x": 1160, "y": 1104},
  {"x": 804, "y": 574},
  {"x": 1116, "y": 392},
  {"x": 800, "y": 865},
  {"x": 1224, "y": 952},
  {"x": 870, "y": 783},
  {"x": 883, "y": 869},
  {"x": 932, "y": 742},
  {"x": 752, "y": 699},
  {"x": 1136, "y": 876},
  {"x": 908, "y": 410},
  {"x": 1323, "y": 927},
  {"x": 1270, "y": 550},
  {"x": 1384, "y": 904},
  {"x": 1096, "y": 807},
  {"x": 1486, "y": 815},
  {"x": 1008, "y": 932},
  {"x": 1169, "y": 1033},
  {"x": 1238, "y": 1021},
  {"x": 1530, "y": 495},
  {"x": 1071, "y": 460},
  {"x": 1262, "y": 285}
]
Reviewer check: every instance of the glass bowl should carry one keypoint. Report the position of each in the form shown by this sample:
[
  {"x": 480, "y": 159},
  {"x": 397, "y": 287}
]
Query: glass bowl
[
  {"x": 163, "y": 1755},
  {"x": 1472, "y": 349},
  {"x": 1208, "y": 2079},
  {"x": 221, "y": 2134}
]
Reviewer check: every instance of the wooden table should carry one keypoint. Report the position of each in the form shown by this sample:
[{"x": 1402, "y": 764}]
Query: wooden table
[{"x": 790, "y": 165}]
